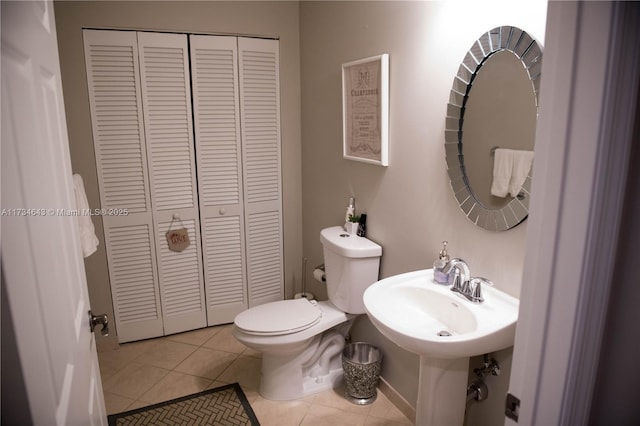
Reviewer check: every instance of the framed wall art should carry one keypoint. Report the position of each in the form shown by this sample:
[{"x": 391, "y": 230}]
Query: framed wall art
[{"x": 365, "y": 110}]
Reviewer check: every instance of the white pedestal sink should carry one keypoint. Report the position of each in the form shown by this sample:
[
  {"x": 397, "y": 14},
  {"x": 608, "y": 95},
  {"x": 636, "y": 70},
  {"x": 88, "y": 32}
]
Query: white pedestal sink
[{"x": 445, "y": 329}]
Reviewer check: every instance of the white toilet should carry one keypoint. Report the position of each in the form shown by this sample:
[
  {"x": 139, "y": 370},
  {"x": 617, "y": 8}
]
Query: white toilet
[{"x": 301, "y": 341}]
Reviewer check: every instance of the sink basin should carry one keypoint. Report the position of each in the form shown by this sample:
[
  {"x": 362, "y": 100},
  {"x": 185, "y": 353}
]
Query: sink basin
[
  {"x": 429, "y": 319},
  {"x": 445, "y": 329}
]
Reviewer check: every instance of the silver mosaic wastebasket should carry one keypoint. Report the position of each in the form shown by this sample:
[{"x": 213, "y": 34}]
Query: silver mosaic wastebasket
[{"x": 361, "y": 363}]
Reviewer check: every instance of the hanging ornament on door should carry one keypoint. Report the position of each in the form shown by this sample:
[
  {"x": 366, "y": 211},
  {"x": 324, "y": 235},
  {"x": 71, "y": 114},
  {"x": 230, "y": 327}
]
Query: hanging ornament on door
[{"x": 177, "y": 239}]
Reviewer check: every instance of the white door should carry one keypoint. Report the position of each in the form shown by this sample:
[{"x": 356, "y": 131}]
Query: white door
[
  {"x": 41, "y": 255},
  {"x": 115, "y": 98},
  {"x": 572, "y": 267},
  {"x": 166, "y": 99},
  {"x": 261, "y": 150},
  {"x": 216, "y": 112}
]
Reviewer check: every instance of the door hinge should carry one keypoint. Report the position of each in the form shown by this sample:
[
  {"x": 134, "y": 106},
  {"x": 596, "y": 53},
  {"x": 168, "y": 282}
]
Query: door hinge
[{"x": 512, "y": 407}]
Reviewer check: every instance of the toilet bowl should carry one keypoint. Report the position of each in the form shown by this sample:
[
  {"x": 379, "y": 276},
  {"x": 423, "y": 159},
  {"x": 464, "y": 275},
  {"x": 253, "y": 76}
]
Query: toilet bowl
[
  {"x": 297, "y": 359},
  {"x": 302, "y": 340}
]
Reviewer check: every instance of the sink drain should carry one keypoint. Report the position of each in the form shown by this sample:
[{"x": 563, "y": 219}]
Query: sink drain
[{"x": 444, "y": 333}]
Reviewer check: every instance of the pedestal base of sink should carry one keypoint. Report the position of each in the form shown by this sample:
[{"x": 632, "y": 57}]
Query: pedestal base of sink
[{"x": 442, "y": 391}]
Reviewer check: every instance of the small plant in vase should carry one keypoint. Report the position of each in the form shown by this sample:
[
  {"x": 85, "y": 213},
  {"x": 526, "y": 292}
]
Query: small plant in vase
[{"x": 352, "y": 225}]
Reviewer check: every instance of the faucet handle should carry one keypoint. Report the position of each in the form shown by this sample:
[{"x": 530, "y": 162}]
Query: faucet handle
[
  {"x": 466, "y": 288},
  {"x": 476, "y": 293},
  {"x": 457, "y": 285}
]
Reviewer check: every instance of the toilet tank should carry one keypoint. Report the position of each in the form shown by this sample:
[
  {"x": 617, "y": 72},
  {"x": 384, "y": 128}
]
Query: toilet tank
[{"x": 351, "y": 265}]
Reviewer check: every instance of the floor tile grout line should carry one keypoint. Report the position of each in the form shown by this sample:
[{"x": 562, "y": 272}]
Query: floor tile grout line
[
  {"x": 227, "y": 367},
  {"x": 147, "y": 390},
  {"x": 236, "y": 355}
]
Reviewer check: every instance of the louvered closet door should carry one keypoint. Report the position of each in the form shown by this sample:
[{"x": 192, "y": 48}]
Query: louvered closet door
[
  {"x": 260, "y": 112},
  {"x": 214, "y": 63},
  {"x": 111, "y": 59},
  {"x": 164, "y": 68}
]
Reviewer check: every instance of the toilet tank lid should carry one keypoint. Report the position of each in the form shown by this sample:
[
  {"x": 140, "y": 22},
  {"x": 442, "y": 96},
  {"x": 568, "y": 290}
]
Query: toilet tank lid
[{"x": 341, "y": 242}]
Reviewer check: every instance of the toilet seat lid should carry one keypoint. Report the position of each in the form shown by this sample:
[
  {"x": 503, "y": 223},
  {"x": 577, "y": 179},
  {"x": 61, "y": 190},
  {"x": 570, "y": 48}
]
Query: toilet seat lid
[{"x": 283, "y": 317}]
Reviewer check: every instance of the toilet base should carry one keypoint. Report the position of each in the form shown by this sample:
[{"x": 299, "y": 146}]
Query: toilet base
[
  {"x": 269, "y": 389},
  {"x": 316, "y": 385},
  {"x": 316, "y": 369}
]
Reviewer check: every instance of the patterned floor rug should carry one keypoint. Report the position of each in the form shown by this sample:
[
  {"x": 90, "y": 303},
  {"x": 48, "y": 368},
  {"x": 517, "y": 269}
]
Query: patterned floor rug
[{"x": 226, "y": 405}]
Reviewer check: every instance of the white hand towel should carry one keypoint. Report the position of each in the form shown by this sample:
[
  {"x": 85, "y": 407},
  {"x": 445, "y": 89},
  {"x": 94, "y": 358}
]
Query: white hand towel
[
  {"x": 522, "y": 161},
  {"x": 88, "y": 238},
  {"x": 502, "y": 169}
]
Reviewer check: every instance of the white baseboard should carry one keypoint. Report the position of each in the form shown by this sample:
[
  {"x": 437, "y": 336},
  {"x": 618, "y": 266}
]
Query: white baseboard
[{"x": 397, "y": 399}]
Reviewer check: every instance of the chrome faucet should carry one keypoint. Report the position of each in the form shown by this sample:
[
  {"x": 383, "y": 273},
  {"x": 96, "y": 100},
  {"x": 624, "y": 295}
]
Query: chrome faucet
[
  {"x": 463, "y": 283},
  {"x": 461, "y": 267},
  {"x": 476, "y": 289}
]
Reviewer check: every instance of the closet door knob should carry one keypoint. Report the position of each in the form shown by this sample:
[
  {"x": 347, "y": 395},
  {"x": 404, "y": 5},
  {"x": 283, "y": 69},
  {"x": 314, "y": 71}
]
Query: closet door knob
[{"x": 222, "y": 211}]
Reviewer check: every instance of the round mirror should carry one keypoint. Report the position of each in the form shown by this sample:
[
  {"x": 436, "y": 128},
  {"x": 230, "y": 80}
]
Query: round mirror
[{"x": 493, "y": 106}]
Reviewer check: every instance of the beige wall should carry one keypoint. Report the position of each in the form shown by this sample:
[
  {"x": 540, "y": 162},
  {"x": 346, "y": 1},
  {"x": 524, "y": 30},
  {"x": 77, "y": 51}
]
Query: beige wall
[
  {"x": 274, "y": 19},
  {"x": 409, "y": 204}
]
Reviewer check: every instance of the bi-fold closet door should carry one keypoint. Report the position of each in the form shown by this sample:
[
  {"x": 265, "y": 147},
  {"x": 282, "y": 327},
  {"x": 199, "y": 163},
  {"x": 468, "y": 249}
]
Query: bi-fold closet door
[{"x": 147, "y": 148}]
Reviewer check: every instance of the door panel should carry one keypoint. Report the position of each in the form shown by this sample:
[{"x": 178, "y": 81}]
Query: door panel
[
  {"x": 219, "y": 155},
  {"x": 115, "y": 97},
  {"x": 166, "y": 94},
  {"x": 41, "y": 253},
  {"x": 260, "y": 111},
  {"x": 141, "y": 86}
]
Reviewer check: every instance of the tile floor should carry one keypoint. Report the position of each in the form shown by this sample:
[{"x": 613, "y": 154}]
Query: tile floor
[{"x": 151, "y": 371}]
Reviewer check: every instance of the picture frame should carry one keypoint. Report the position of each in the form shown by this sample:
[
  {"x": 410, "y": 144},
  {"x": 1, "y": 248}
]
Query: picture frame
[{"x": 365, "y": 110}]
